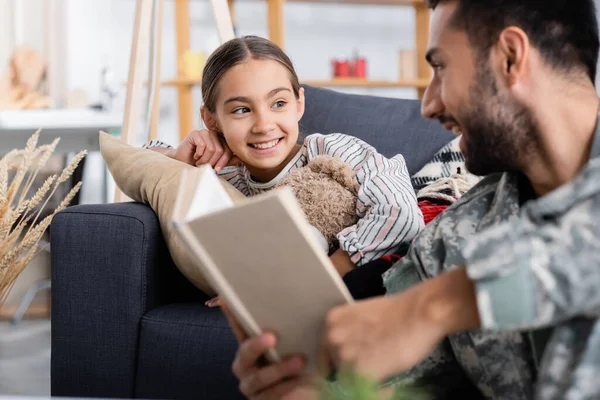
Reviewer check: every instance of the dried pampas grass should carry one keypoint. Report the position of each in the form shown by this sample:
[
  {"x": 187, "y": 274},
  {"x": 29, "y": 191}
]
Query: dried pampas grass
[{"x": 20, "y": 231}]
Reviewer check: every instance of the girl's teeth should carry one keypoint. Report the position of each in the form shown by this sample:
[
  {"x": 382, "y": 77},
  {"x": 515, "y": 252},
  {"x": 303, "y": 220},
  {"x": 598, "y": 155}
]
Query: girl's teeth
[
  {"x": 267, "y": 145},
  {"x": 456, "y": 130}
]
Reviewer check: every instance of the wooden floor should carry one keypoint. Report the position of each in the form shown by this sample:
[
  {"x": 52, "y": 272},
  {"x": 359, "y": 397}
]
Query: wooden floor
[{"x": 25, "y": 358}]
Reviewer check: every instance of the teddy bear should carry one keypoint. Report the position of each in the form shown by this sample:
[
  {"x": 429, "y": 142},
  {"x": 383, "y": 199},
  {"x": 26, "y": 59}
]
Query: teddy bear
[{"x": 326, "y": 191}]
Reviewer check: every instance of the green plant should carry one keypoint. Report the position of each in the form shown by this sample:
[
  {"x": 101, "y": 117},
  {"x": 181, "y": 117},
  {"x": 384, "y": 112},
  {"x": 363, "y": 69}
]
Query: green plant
[{"x": 352, "y": 386}]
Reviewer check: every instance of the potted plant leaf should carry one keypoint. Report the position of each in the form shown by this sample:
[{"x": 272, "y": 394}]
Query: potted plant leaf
[{"x": 349, "y": 385}]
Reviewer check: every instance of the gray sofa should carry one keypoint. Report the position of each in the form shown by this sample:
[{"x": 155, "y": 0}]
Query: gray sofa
[{"x": 126, "y": 324}]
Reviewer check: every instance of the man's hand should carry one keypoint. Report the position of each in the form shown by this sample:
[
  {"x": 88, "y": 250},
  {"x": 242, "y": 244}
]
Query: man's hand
[
  {"x": 387, "y": 335},
  {"x": 380, "y": 337},
  {"x": 275, "y": 381},
  {"x": 204, "y": 147}
]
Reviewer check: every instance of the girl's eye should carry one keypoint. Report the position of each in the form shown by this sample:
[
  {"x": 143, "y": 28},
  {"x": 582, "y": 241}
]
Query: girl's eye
[
  {"x": 279, "y": 104},
  {"x": 436, "y": 67},
  {"x": 240, "y": 110}
]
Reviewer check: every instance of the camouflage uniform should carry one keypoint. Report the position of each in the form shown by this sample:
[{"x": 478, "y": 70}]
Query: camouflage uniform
[{"x": 535, "y": 263}]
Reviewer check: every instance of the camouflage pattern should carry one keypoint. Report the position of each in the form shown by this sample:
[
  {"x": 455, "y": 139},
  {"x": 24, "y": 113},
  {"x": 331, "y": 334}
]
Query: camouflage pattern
[{"x": 536, "y": 264}]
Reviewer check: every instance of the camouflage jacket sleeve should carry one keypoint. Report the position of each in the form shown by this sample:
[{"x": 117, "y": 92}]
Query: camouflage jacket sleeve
[
  {"x": 439, "y": 373},
  {"x": 541, "y": 267}
]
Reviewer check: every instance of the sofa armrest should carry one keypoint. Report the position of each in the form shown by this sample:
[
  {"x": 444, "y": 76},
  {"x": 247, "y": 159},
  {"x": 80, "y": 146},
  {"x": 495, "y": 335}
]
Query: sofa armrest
[{"x": 107, "y": 263}]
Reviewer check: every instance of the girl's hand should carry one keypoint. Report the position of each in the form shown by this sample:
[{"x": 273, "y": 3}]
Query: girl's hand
[
  {"x": 205, "y": 147},
  {"x": 214, "y": 302}
]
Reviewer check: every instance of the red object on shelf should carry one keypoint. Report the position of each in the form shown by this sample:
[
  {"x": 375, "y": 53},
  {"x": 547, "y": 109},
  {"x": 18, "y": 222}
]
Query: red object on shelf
[
  {"x": 343, "y": 70},
  {"x": 360, "y": 68},
  {"x": 335, "y": 67},
  {"x": 356, "y": 68}
]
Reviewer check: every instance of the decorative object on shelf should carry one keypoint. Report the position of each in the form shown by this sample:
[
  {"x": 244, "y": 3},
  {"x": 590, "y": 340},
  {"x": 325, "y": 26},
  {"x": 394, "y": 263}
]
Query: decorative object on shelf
[
  {"x": 20, "y": 85},
  {"x": 21, "y": 208},
  {"x": 192, "y": 64},
  {"x": 360, "y": 67},
  {"x": 408, "y": 64},
  {"x": 352, "y": 68},
  {"x": 341, "y": 68},
  {"x": 108, "y": 91}
]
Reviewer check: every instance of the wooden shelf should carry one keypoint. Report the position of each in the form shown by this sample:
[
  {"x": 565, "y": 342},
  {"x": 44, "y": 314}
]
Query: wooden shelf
[
  {"x": 361, "y": 2},
  {"x": 182, "y": 82},
  {"x": 354, "y": 82},
  {"x": 337, "y": 82},
  {"x": 35, "y": 310},
  {"x": 366, "y": 2},
  {"x": 275, "y": 10}
]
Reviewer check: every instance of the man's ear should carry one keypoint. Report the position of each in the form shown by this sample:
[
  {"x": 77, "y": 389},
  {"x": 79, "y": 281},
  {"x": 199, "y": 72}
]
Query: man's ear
[
  {"x": 511, "y": 55},
  {"x": 210, "y": 120},
  {"x": 300, "y": 103}
]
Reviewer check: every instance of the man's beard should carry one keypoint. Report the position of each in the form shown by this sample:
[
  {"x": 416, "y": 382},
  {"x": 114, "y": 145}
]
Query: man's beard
[{"x": 500, "y": 131}]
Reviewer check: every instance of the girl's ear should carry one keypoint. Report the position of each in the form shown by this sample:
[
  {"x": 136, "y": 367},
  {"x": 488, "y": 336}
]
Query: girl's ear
[
  {"x": 210, "y": 120},
  {"x": 300, "y": 103}
]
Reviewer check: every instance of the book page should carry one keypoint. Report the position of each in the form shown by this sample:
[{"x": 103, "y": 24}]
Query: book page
[{"x": 210, "y": 196}]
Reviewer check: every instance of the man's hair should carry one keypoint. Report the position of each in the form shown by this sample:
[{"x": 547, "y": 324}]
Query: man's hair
[{"x": 564, "y": 31}]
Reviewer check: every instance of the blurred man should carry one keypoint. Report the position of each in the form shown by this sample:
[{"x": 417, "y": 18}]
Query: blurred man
[{"x": 519, "y": 255}]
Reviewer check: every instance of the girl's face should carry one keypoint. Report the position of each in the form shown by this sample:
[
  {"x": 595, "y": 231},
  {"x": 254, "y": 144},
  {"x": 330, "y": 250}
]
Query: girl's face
[{"x": 258, "y": 114}]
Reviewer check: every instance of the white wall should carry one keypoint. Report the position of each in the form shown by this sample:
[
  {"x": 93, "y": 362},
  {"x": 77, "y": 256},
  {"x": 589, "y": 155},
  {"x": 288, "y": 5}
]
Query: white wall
[
  {"x": 6, "y": 33},
  {"x": 27, "y": 29}
]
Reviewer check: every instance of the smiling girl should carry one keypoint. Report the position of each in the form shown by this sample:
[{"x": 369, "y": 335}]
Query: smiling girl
[{"x": 253, "y": 103}]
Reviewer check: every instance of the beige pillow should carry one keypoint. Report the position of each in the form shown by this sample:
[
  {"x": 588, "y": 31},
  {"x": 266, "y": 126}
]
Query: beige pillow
[{"x": 152, "y": 178}]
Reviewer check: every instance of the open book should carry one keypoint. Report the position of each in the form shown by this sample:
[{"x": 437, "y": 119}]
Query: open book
[{"x": 264, "y": 261}]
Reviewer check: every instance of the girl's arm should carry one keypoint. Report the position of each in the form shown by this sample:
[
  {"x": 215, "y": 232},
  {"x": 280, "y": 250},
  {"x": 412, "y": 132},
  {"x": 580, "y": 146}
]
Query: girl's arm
[
  {"x": 156, "y": 144},
  {"x": 198, "y": 148},
  {"x": 160, "y": 147},
  {"x": 342, "y": 262},
  {"x": 387, "y": 204},
  {"x": 387, "y": 207}
]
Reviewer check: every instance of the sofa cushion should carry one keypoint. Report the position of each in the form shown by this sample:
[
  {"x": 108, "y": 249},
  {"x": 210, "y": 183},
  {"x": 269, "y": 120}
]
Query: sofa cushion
[
  {"x": 154, "y": 179},
  {"x": 393, "y": 126},
  {"x": 186, "y": 351}
]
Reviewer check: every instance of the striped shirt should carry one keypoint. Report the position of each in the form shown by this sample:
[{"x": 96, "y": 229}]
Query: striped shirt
[{"x": 387, "y": 209}]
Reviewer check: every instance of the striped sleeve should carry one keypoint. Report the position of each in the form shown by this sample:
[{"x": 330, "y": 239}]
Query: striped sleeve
[
  {"x": 156, "y": 143},
  {"x": 235, "y": 176},
  {"x": 387, "y": 205}
]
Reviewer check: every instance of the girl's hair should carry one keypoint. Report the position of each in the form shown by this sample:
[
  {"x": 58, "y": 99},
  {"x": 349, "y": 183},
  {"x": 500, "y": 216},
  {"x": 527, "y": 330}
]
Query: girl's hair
[{"x": 234, "y": 52}]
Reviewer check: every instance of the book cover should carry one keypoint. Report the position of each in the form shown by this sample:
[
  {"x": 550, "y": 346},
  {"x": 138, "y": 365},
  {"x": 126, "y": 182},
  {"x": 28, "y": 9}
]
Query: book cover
[{"x": 262, "y": 258}]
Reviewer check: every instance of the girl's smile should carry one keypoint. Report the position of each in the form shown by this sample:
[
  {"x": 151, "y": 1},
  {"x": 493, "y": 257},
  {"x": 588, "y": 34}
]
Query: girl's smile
[{"x": 266, "y": 147}]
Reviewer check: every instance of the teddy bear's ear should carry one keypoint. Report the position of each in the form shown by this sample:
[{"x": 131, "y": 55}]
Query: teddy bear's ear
[{"x": 336, "y": 169}]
